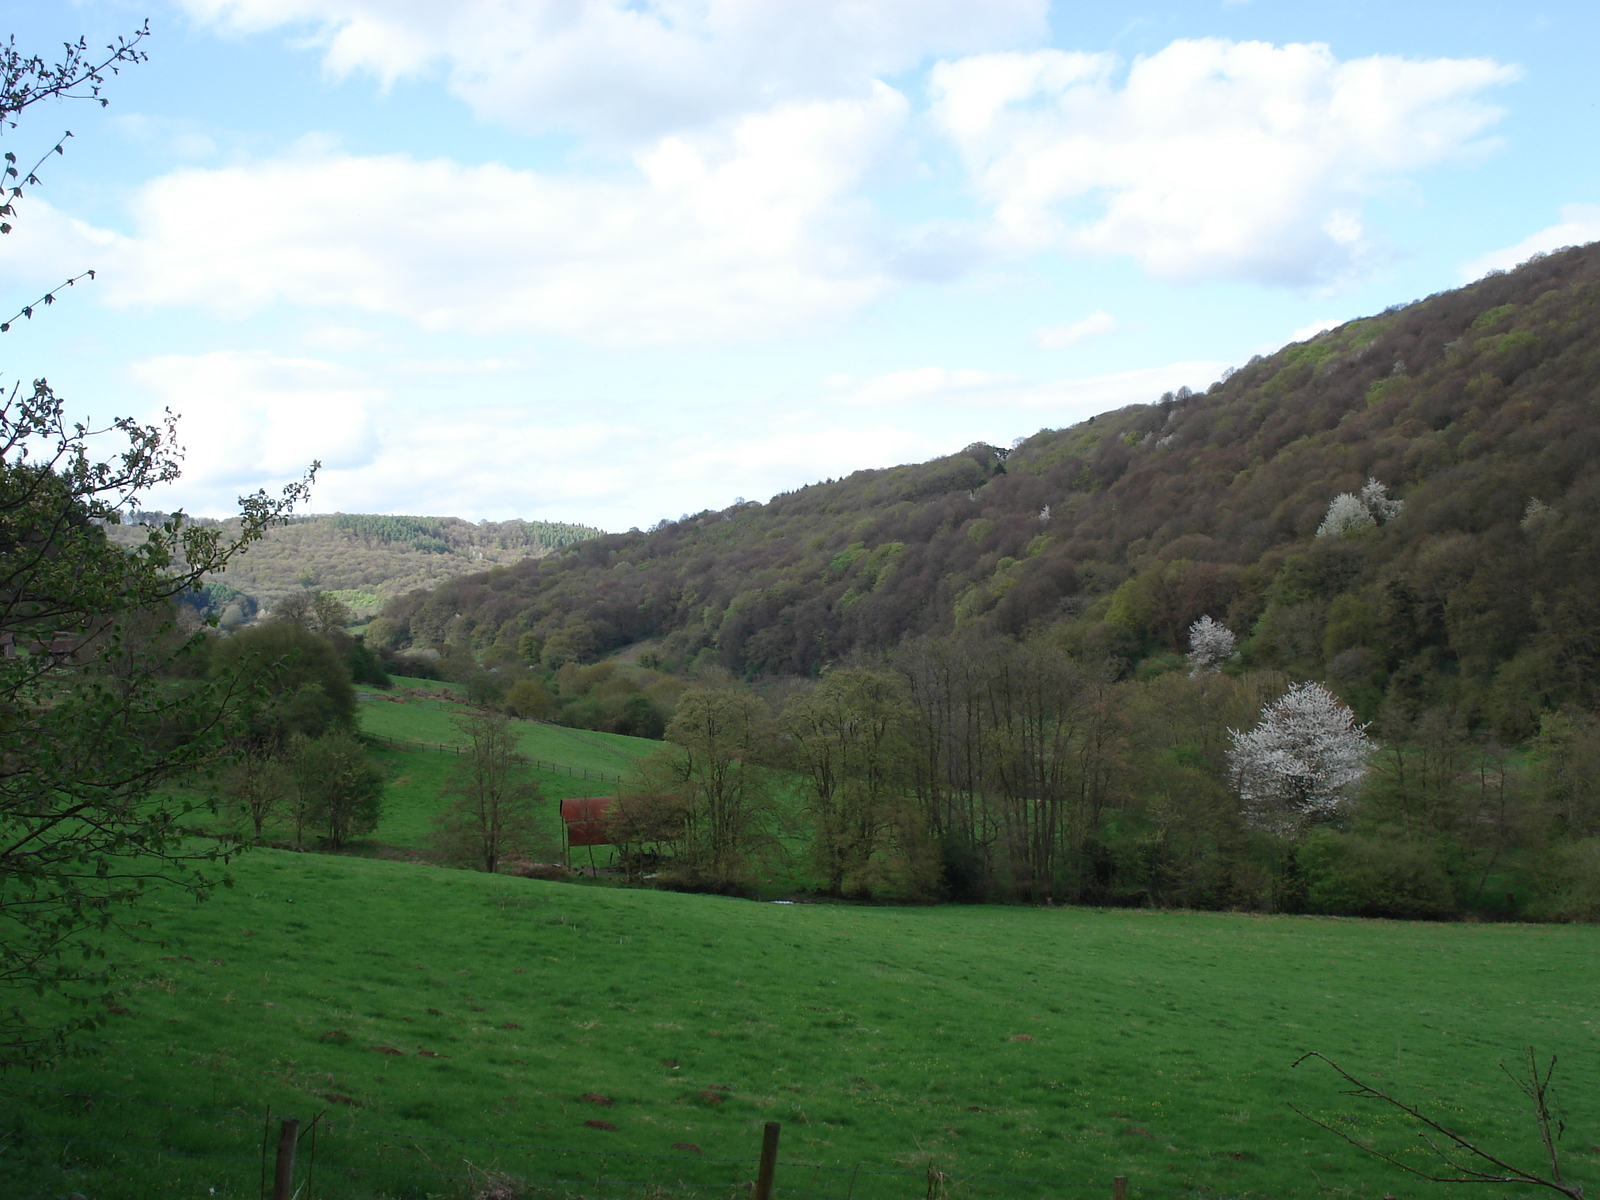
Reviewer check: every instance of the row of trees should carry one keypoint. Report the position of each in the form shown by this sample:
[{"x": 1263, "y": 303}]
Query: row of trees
[{"x": 980, "y": 768}]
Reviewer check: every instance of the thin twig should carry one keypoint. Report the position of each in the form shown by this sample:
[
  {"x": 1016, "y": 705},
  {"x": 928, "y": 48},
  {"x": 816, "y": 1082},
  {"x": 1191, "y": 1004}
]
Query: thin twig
[
  {"x": 1464, "y": 1173},
  {"x": 47, "y": 299}
]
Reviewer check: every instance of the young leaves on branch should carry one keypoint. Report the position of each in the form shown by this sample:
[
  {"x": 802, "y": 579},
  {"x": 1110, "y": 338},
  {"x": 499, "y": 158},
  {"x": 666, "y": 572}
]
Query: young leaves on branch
[{"x": 28, "y": 79}]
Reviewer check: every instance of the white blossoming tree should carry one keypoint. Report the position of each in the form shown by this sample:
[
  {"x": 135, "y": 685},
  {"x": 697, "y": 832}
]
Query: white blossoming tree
[
  {"x": 1376, "y": 497},
  {"x": 1300, "y": 762},
  {"x": 1348, "y": 511},
  {"x": 1211, "y": 643}
]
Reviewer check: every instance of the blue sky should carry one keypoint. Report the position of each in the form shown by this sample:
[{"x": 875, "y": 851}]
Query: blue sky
[{"x": 610, "y": 262}]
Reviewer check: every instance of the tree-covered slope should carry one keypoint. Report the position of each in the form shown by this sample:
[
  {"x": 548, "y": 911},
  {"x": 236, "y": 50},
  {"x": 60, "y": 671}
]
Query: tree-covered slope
[
  {"x": 368, "y": 559},
  {"x": 1476, "y": 407}
]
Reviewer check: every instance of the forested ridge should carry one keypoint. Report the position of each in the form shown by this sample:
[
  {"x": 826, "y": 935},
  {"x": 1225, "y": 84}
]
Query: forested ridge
[
  {"x": 1475, "y": 407},
  {"x": 365, "y": 559},
  {"x": 1117, "y": 662}
]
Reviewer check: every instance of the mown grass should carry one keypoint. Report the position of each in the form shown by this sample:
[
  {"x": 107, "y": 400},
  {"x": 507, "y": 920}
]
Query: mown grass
[{"x": 1063, "y": 1045}]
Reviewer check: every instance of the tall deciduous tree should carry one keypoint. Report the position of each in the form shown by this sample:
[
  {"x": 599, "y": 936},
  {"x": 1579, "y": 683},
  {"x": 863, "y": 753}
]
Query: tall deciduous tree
[
  {"x": 257, "y": 782},
  {"x": 298, "y": 683},
  {"x": 723, "y": 735},
  {"x": 850, "y": 742},
  {"x": 494, "y": 809},
  {"x": 1299, "y": 763},
  {"x": 1211, "y": 643},
  {"x": 340, "y": 788}
]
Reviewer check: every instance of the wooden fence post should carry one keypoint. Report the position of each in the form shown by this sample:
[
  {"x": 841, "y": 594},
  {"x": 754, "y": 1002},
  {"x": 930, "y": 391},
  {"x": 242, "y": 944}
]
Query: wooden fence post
[
  {"x": 769, "y": 1161},
  {"x": 283, "y": 1176},
  {"x": 1119, "y": 1187}
]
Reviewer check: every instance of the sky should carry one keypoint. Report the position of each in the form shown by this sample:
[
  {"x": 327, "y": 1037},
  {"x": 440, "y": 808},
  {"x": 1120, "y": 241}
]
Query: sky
[{"x": 613, "y": 261}]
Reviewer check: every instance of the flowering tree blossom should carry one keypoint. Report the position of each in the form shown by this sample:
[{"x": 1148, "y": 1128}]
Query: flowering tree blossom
[
  {"x": 1348, "y": 511},
  {"x": 1298, "y": 764},
  {"x": 1211, "y": 643},
  {"x": 1376, "y": 497}
]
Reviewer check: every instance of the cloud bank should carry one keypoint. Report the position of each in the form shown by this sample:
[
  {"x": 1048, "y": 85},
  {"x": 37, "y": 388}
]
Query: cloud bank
[
  {"x": 1579, "y": 225},
  {"x": 636, "y": 70},
  {"x": 1212, "y": 158}
]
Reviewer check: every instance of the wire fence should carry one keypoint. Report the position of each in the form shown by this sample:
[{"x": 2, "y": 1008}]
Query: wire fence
[
  {"x": 542, "y": 764},
  {"x": 231, "y": 1151}
]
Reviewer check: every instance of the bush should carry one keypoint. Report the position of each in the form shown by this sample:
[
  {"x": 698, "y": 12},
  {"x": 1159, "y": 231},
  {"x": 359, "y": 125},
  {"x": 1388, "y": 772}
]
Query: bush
[
  {"x": 1566, "y": 883},
  {"x": 365, "y": 666},
  {"x": 1352, "y": 876},
  {"x": 302, "y": 685},
  {"x": 530, "y": 699}
]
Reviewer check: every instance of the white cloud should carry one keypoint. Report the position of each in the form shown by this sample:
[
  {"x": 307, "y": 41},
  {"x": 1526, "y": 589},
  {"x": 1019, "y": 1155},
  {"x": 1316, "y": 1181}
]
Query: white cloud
[
  {"x": 254, "y": 420},
  {"x": 743, "y": 233},
  {"x": 247, "y": 419},
  {"x": 1579, "y": 224},
  {"x": 1306, "y": 332},
  {"x": 635, "y": 69},
  {"x": 182, "y": 137},
  {"x": 1068, "y": 400},
  {"x": 535, "y": 461},
  {"x": 1057, "y": 337},
  {"x": 460, "y": 366},
  {"x": 1213, "y": 158},
  {"x": 341, "y": 338},
  {"x": 918, "y": 385}
]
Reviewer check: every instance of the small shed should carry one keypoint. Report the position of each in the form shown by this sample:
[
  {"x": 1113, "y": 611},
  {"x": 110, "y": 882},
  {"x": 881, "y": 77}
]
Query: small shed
[{"x": 585, "y": 819}]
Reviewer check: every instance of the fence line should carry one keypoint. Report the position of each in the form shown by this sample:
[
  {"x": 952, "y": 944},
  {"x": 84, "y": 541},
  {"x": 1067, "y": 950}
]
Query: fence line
[
  {"x": 947, "y": 1180},
  {"x": 542, "y": 764}
]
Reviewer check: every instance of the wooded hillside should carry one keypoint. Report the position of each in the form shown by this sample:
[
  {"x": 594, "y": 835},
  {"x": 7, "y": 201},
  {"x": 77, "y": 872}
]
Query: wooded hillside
[
  {"x": 367, "y": 559},
  {"x": 1477, "y": 408}
]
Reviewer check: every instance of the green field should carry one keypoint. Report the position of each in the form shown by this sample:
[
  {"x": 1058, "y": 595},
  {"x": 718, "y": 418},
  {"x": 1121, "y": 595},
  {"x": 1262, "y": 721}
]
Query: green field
[
  {"x": 1062, "y": 1046},
  {"x": 576, "y": 762},
  {"x": 397, "y": 716}
]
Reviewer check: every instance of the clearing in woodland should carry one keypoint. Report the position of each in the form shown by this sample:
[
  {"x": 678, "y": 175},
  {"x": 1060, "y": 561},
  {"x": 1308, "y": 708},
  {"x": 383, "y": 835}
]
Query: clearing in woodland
[{"x": 573, "y": 1033}]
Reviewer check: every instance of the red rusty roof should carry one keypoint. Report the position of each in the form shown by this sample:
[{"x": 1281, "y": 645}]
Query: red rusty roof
[{"x": 586, "y": 820}]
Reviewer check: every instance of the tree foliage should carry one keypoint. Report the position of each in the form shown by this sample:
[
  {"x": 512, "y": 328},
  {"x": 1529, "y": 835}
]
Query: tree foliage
[
  {"x": 714, "y": 786},
  {"x": 1300, "y": 763},
  {"x": 1211, "y": 644},
  {"x": 368, "y": 560},
  {"x": 98, "y": 709},
  {"x": 1470, "y": 405},
  {"x": 101, "y": 704},
  {"x": 339, "y": 788},
  {"x": 849, "y": 740},
  {"x": 494, "y": 799},
  {"x": 293, "y": 683}
]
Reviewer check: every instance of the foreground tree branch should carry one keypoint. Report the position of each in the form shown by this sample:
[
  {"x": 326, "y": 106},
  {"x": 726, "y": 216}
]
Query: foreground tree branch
[
  {"x": 1463, "y": 1161},
  {"x": 98, "y": 714}
]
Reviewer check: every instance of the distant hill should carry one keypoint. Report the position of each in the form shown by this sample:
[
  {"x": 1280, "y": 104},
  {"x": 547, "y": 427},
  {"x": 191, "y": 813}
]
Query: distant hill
[
  {"x": 368, "y": 559},
  {"x": 1479, "y": 408}
]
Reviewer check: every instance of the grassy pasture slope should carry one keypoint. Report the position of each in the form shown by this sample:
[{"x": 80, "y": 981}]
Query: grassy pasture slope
[
  {"x": 416, "y": 774},
  {"x": 1159, "y": 1047},
  {"x": 613, "y": 753}
]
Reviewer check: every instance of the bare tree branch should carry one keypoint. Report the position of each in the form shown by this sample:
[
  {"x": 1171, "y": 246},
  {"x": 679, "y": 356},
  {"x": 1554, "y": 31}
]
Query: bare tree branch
[{"x": 1468, "y": 1162}]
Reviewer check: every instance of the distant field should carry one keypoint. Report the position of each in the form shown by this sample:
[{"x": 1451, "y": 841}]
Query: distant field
[
  {"x": 424, "y": 720},
  {"x": 418, "y": 773},
  {"x": 1062, "y": 1046},
  {"x": 578, "y": 763}
]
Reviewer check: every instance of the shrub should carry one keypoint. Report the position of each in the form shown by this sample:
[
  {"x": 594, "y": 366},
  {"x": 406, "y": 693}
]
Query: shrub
[
  {"x": 1352, "y": 876},
  {"x": 1566, "y": 883}
]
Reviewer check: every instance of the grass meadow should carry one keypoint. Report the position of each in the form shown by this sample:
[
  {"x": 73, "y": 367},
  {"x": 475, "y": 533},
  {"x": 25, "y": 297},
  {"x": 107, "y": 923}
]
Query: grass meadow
[
  {"x": 416, "y": 772},
  {"x": 1059, "y": 1046},
  {"x": 450, "y": 1026}
]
